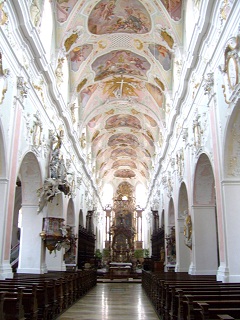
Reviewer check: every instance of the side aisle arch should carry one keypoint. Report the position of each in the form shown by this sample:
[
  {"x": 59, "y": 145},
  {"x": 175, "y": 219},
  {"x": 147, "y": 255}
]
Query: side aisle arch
[
  {"x": 184, "y": 239},
  {"x": 204, "y": 219},
  {"x": 31, "y": 259}
]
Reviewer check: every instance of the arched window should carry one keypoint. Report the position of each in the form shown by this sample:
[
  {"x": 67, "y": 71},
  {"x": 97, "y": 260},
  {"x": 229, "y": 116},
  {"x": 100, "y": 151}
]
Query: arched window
[
  {"x": 140, "y": 195},
  {"x": 107, "y": 194},
  {"x": 46, "y": 29}
]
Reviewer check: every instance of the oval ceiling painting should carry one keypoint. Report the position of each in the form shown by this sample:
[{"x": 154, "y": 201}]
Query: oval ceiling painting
[
  {"x": 126, "y": 152},
  {"x": 93, "y": 122},
  {"x": 124, "y": 173},
  {"x": 123, "y": 120},
  {"x": 114, "y": 16},
  {"x": 124, "y": 163},
  {"x": 152, "y": 122},
  {"x": 162, "y": 54},
  {"x": 156, "y": 93},
  {"x": 64, "y": 8},
  {"x": 79, "y": 54},
  {"x": 174, "y": 8},
  {"x": 120, "y": 62},
  {"x": 123, "y": 139}
]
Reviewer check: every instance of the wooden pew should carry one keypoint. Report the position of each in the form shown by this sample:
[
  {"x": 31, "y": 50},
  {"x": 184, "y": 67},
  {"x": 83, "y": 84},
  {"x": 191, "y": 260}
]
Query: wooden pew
[
  {"x": 29, "y": 300},
  {"x": 224, "y": 317},
  {"x": 156, "y": 284},
  {"x": 42, "y": 295},
  {"x": 179, "y": 300},
  {"x": 11, "y": 305},
  {"x": 168, "y": 290},
  {"x": 162, "y": 288},
  {"x": 55, "y": 291},
  {"x": 212, "y": 309}
]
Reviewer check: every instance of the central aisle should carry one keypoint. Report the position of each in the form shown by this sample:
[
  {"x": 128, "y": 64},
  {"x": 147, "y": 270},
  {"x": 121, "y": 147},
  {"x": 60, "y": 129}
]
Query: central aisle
[{"x": 112, "y": 301}]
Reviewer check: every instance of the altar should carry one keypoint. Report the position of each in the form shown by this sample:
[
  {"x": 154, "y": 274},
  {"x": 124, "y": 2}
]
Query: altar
[{"x": 120, "y": 269}]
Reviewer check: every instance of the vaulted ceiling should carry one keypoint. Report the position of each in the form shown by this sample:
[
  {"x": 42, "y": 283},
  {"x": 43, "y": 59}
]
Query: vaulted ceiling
[{"x": 121, "y": 55}]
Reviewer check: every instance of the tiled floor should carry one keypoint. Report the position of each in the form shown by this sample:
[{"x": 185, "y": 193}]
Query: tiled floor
[{"x": 112, "y": 301}]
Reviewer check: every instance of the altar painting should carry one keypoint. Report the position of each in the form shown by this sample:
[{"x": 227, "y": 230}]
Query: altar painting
[
  {"x": 123, "y": 139},
  {"x": 162, "y": 54},
  {"x": 120, "y": 62},
  {"x": 111, "y": 16},
  {"x": 123, "y": 120},
  {"x": 126, "y": 152},
  {"x": 64, "y": 8},
  {"x": 124, "y": 173},
  {"x": 78, "y": 55}
]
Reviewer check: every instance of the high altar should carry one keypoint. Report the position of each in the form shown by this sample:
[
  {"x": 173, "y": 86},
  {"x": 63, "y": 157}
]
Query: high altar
[{"x": 123, "y": 225}]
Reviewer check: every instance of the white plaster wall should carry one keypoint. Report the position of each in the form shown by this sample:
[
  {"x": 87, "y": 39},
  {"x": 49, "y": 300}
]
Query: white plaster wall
[{"x": 231, "y": 192}]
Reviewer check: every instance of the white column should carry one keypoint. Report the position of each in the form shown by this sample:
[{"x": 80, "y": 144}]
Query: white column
[
  {"x": 31, "y": 254},
  {"x": 231, "y": 191},
  {"x": 5, "y": 267},
  {"x": 55, "y": 260}
]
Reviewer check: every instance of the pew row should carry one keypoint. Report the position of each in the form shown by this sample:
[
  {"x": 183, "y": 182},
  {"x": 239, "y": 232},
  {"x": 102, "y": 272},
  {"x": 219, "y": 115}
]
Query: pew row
[{"x": 45, "y": 297}]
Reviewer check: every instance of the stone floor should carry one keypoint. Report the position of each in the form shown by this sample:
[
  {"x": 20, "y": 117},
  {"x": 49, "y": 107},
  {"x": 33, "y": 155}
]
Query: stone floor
[{"x": 112, "y": 301}]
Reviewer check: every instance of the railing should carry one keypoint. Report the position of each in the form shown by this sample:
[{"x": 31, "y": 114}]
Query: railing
[{"x": 14, "y": 255}]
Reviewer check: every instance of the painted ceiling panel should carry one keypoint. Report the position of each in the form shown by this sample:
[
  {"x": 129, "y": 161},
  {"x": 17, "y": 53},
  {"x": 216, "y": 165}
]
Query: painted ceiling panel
[
  {"x": 78, "y": 55},
  {"x": 123, "y": 120},
  {"x": 120, "y": 62},
  {"x": 121, "y": 55},
  {"x": 110, "y": 16}
]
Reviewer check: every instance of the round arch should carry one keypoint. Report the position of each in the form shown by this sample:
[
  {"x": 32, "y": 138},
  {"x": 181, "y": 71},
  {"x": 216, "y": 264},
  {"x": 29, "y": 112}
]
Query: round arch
[
  {"x": 30, "y": 261},
  {"x": 204, "y": 220},
  {"x": 70, "y": 213},
  {"x": 183, "y": 252},
  {"x": 171, "y": 237},
  {"x": 231, "y": 191}
]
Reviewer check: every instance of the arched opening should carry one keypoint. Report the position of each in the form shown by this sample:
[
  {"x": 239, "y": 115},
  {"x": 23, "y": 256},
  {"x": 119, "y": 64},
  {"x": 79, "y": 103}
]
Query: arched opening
[
  {"x": 70, "y": 246},
  {"x": 231, "y": 190},
  {"x": 203, "y": 214},
  {"x": 31, "y": 259},
  {"x": 46, "y": 29},
  {"x": 17, "y": 226},
  {"x": 184, "y": 251},
  {"x": 171, "y": 238}
]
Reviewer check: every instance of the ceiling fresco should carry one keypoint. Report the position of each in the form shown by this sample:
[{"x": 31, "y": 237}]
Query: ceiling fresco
[
  {"x": 78, "y": 55},
  {"x": 121, "y": 68},
  {"x": 120, "y": 62},
  {"x": 123, "y": 120}
]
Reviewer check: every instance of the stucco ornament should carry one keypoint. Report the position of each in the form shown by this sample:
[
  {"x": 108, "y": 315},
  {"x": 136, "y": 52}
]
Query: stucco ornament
[{"x": 4, "y": 73}]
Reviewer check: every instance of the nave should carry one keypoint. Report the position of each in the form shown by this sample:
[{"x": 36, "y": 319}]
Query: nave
[{"x": 108, "y": 301}]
